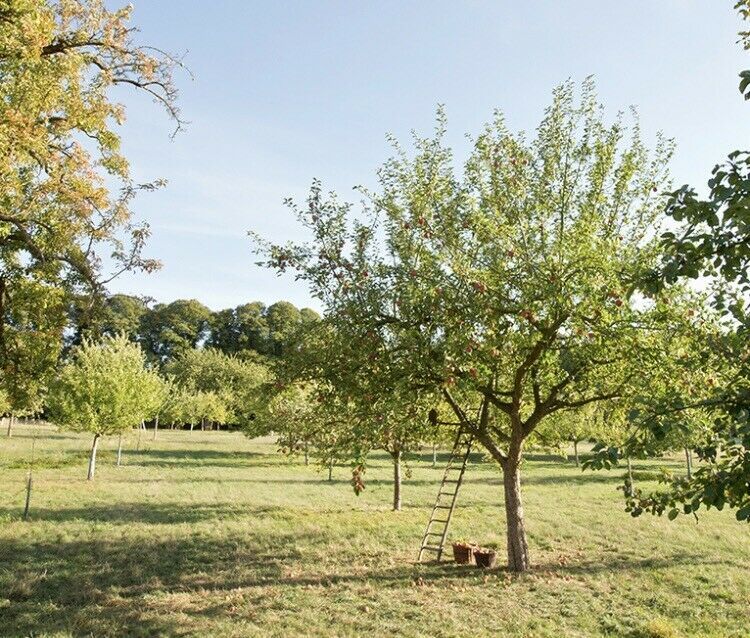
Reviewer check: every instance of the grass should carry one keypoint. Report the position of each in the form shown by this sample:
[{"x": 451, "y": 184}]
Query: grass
[{"x": 211, "y": 534}]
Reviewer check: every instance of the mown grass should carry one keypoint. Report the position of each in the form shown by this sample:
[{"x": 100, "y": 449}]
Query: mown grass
[{"x": 210, "y": 534}]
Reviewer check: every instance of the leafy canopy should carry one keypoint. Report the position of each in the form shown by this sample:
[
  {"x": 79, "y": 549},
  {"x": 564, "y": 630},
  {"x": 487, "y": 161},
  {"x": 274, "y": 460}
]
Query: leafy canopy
[
  {"x": 105, "y": 388},
  {"x": 510, "y": 286}
]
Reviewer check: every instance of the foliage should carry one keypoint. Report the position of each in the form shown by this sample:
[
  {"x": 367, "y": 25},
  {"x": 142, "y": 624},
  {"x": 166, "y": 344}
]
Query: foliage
[
  {"x": 290, "y": 414},
  {"x": 239, "y": 329},
  {"x": 66, "y": 186},
  {"x": 32, "y": 320},
  {"x": 711, "y": 242},
  {"x": 104, "y": 389},
  {"x": 122, "y": 314},
  {"x": 513, "y": 285},
  {"x": 226, "y": 379},
  {"x": 169, "y": 331}
]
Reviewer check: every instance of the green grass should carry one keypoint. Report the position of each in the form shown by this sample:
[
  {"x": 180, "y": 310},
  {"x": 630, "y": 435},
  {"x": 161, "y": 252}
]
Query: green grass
[{"x": 210, "y": 534}]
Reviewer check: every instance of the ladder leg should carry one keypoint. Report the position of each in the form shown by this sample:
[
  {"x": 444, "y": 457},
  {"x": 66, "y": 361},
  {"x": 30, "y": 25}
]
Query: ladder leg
[{"x": 461, "y": 450}]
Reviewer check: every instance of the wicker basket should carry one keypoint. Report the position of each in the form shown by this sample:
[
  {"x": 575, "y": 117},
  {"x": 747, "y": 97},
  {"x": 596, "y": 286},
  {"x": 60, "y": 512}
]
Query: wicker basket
[
  {"x": 484, "y": 557},
  {"x": 463, "y": 553}
]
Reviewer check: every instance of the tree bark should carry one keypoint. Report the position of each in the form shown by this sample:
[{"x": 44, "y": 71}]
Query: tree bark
[
  {"x": 518, "y": 549},
  {"x": 92, "y": 458},
  {"x": 396, "y": 456},
  {"x": 29, "y": 485},
  {"x": 575, "y": 452},
  {"x": 119, "y": 450},
  {"x": 689, "y": 462},
  {"x": 629, "y": 491},
  {"x": 156, "y": 426}
]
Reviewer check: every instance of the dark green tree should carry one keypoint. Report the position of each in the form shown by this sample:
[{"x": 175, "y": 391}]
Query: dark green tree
[
  {"x": 283, "y": 319},
  {"x": 239, "y": 329},
  {"x": 170, "y": 330}
]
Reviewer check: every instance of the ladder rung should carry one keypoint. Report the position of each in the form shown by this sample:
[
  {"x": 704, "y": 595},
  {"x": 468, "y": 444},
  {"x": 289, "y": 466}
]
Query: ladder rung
[{"x": 456, "y": 463}]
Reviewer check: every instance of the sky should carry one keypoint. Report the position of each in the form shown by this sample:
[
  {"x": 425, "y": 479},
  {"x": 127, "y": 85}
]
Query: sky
[{"x": 287, "y": 91}]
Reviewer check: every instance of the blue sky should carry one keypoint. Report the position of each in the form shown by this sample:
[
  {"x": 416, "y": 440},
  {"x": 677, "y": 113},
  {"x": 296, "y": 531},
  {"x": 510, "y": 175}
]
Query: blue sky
[{"x": 288, "y": 91}]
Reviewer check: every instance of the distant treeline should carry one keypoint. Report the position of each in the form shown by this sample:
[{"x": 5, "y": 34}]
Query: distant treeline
[{"x": 167, "y": 331}]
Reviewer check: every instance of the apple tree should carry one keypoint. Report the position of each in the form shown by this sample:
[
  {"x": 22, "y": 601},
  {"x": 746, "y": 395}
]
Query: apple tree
[
  {"x": 508, "y": 287},
  {"x": 101, "y": 390}
]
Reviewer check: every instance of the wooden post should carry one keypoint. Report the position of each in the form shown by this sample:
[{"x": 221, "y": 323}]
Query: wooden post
[{"x": 29, "y": 483}]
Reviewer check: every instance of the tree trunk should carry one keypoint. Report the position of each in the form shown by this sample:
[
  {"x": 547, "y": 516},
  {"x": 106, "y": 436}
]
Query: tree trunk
[
  {"x": 396, "y": 456},
  {"x": 629, "y": 487},
  {"x": 191, "y": 426},
  {"x": 119, "y": 450},
  {"x": 92, "y": 458},
  {"x": 518, "y": 549},
  {"x": 575, "y": 452},
  {"x": 434, "y": 455},
  {"x": 203, "y": 425},
  {"x": 156, "y": 426},
  {"x": 689, "y": 462},
  {"x": 10, "y": 426},
  {"x": 307, "y": 454},
  {"x": 330, "y": 470}
]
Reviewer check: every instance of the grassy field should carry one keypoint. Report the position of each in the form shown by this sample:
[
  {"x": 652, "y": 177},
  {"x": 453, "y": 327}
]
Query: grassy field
[{"x": 211, "y": 534}]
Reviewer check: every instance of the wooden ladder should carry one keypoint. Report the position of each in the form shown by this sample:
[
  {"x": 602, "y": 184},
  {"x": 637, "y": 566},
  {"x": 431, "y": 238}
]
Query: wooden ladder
[{"x": 440, "y": 518}]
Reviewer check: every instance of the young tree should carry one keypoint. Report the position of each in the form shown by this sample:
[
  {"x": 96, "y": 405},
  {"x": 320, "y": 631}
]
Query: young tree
[
  {"x": 512, "y": 285},
  {"x": 174, "y": 412},
  {"x": 290, "y": 414},
  {"x": 570, "y": 427},
  {"x": 236, "y": 381},
  {"x": 101, "y": 390}
]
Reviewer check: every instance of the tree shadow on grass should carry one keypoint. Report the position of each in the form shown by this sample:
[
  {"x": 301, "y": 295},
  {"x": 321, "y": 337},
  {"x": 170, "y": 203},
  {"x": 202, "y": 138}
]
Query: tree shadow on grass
[
  {"x": 103, "y": 588},
  {"x": 151, "y": 514},
  {"x": 196, "y": 458},
  {"x": 134, "y": 586}
]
